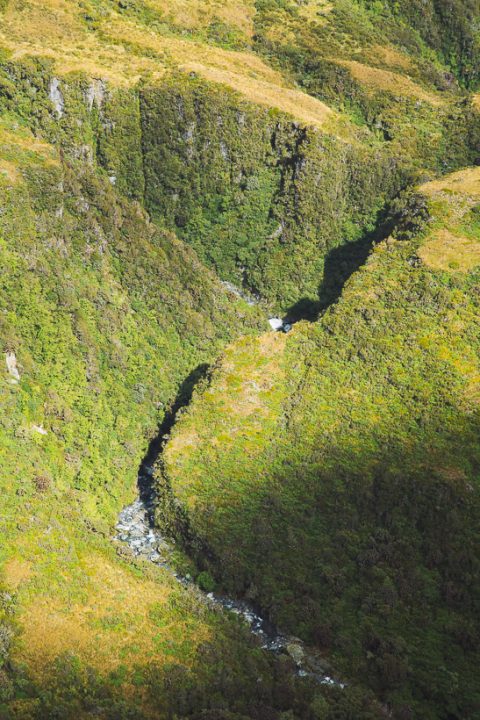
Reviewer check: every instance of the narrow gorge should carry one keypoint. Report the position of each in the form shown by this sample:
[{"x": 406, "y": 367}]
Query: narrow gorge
[{"x": 240, "y": 341}]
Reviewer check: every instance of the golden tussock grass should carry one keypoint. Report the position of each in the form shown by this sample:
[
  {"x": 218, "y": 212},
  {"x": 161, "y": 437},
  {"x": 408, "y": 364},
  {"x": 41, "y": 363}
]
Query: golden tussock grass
[
  {"x": 295, "y": 103},
  {"x": 27, "y": 142},
  {"x": 445, "y": 250},
  {"x": 103, "y": 631},
  {"x": 122, "y": 51},
  {"x": 448, "y": 248},
  {"x": 465, "y": 182},
  {"x": 9, "y": 171},
  {"x": 389, "y": 81},
  {"x": 18, "y": 149},
  {"x": 387, "y": 55},
  {"x": 178, "y": 50},
  {"x": 16, "y": 572},
  {"x": 199, "y": 14}
]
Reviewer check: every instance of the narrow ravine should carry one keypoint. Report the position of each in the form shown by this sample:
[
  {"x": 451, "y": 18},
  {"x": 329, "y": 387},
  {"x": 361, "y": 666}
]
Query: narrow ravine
[{"x": 137, "y": 530}]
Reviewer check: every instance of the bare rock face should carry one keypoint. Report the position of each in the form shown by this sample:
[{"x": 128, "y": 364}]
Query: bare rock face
[
  {"x": 12, "y": 368},
  {"x": 39, "y": 429},
  {"x": 55, "y": 95},
  {"x": 296, "y": 651},
  {"x": 276, "y": 323},
  {"x": 95, "y": 94}
]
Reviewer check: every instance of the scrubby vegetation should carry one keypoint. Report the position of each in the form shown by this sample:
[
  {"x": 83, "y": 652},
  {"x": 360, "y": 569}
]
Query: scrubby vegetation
[
  {"x": 103, "y": 316},
  {"x": 243, "y": 187},
  {"x": 367, "y": 60},
  {"x": 332, "y": 477},
  {"x": 148, "y": 151}
]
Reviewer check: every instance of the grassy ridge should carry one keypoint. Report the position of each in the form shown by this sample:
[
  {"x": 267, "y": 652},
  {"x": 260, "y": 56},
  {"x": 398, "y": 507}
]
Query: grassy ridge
[
  {"x": 333, "y": 479},
  {"x": 369, "y": 60}
]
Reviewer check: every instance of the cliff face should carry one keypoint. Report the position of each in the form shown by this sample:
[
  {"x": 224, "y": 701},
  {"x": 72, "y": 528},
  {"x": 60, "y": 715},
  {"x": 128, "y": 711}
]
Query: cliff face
[{"x": 244, "y": 187}]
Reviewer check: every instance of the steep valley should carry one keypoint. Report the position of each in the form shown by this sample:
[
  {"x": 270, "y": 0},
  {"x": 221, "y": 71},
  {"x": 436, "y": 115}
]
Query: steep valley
[{"x": 204, "y": 514}]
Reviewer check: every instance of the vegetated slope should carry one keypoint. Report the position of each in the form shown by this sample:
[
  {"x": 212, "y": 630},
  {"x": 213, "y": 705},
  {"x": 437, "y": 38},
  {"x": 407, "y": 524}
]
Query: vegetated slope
[
  {"x": 447, "y": 27},
  {"x": 262, "y": 201},
  {"x": 268, "y": 203},
  {"x": 105, "y": 313},
  {"x": 331, "y": 474},
  {"x": 369, "y": 59},
  {"x": 102, "y": 316}
]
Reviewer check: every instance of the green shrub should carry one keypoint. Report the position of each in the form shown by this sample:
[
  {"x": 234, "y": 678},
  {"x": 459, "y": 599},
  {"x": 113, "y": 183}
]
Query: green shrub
[{"x": 205, "y": 582}]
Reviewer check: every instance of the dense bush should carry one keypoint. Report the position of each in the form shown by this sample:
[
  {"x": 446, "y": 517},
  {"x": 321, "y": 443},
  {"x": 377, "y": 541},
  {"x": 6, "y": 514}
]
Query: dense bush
[
  {"x": 448, "y": 27},
  {"x": 346, "y": 502},
  {"x": 261, "y": 199},
  {"x": 342, "y": 494},
  {"x": 439, "y": 135}
]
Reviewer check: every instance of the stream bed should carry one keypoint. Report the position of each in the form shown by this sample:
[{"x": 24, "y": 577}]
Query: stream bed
[{"x": 135, "y": 528}]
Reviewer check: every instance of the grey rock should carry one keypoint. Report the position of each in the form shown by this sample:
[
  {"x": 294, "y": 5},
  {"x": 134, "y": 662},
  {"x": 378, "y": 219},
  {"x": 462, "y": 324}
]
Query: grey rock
[{"x": 55, "y": 95}]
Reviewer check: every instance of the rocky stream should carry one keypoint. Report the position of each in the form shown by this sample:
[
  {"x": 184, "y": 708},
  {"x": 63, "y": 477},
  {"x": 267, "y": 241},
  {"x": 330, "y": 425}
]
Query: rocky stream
[{"x": 136, "y": 529}]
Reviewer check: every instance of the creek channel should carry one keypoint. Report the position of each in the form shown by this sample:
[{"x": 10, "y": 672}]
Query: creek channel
[{"x": 136, "y": 528}]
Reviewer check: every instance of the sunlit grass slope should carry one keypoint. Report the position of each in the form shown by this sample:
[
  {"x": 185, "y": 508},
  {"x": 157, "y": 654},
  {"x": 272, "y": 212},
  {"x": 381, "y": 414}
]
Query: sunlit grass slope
[
  {"x": 275, "y": 53},
  {"x": 123, "y": 43},
  {"x": 453, "y": 244},
  {"x": 399, "y": 68}
]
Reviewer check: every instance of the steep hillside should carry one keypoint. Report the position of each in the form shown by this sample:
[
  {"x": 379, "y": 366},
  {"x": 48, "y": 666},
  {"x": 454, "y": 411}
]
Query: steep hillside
[
  {"x": 331, "y": 473},
  {"x": 449, "y": 28},
  {"x": 102, "y": 317},
  {"x": 374, "y": 60},
  {"x": 159, "y": 163},
  {"x": 244, "y": 188},
  {"x": 242, "y": 184}
]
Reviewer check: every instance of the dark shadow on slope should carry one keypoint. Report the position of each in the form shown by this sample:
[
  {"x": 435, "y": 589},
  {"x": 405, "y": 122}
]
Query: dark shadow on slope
[
  {"x": 344, "y": 260},
  {"x": 304, "y": 309},
  {"x": 370, "y": 556},
  {"x": 182, "y": 399},
  {"x": 406, "y": 216},
  {"x": 340, "y": 264}
]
